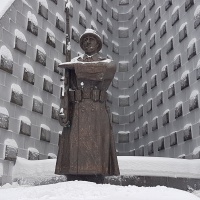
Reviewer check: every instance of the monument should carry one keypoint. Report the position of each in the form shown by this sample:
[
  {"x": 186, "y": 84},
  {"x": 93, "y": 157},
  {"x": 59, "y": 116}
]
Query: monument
[{"x": 86, "y": 146}]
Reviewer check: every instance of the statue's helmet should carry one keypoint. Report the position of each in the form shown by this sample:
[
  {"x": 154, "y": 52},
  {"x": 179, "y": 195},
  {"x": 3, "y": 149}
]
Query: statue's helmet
[{"x": 93, "y": 33}]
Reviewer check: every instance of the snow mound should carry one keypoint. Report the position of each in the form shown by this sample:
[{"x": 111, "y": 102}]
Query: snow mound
[
  {"x": 55, "y": 105},
  {"x": 5, "y": 52},
  {"x": 40, "y": 49},
  {"x": 175, "y": 9},
  {"x": 28, "y": 68},
  {"x": 11, "y": 142},
  {"x": 43, "y": 3},
  {"x": 20, "y": 35},
  {"x": 16, "y": 88},
  {"x": 25, "y": 120},
  {"x": 4, "y": 111},
  {"x": 182, "y": 26},
  {"x": 59, "y": 17},
  {"x": 48, "y": 78},
  {"x": 37, "y": 98},
  {"x": 32, "y": 18},
  {"x": 44, "y": 126},
  {"x": 194, "y": 94},
  {"x": 192, "y": 41}
]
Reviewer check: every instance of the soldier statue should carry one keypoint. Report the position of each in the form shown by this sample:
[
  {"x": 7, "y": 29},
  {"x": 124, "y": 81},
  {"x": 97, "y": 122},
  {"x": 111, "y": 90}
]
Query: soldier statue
[{"x": 86, "y": 146}]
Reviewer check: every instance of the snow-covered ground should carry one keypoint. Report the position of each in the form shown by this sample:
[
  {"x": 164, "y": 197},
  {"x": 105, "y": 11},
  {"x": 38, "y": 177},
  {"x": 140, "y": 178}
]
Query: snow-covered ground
[
  {"x": 129, "y": 165},
  {"x": 80, "y": 190}
]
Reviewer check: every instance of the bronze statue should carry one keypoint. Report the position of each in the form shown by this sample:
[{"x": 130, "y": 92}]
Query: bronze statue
[{"x": 86, "y": 146}]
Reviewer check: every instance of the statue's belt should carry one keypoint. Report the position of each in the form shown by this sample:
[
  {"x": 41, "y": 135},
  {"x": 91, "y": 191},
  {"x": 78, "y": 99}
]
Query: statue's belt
[{"x": 93, "y": 94}]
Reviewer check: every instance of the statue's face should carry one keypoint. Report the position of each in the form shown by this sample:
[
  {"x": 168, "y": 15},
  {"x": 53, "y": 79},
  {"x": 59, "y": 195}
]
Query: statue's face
[{"x": 90, "y": 45}]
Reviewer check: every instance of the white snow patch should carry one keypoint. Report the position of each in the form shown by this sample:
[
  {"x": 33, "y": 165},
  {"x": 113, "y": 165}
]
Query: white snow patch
[
  {"x": 124, "y": 96},
  {"x": 32, "y": 150},
  {"x": 82, "y": 15},
  {"x": 43, "y": 3},
  {"x": 185, "y": 73},
  {"x": 48, "y": 78},
  {"x": 5, "y": 6},
  {"x": 192, "y": 41},
  {"x": 55, "y": 106},
  {"x": 158, "y": 51},
  {"x": 57, "y": 60},
  {"x": 25, "y": 119},
  {"x": 124, "y": 132},
  {"x": 139, "y": 69},
  {"x": 4, "y": 111},
  {"x": 32, "y": 18},
  {"x": 156, "y": 117},
  {"x": 171, "y": 85},
  {"x": 68, "y": 4},
  {"x": 59, "y": 17},
  {"x": 140, "y": 106},
  {"x": 141, "y": 146},
  {"x": 176, "y": 56},
  {"x": 152, "y": 35},
  {"x": 169, "y": 39},
  {"x": 178, "y": 104},
  {"x": 44, "y": 126},
  {"x": 115, "y": 43},
  {"x": 5, "y": 52},
  {"x": 37, "y": 98},
  {"x": 115, "y": 113},
  {"x": 163, "y": 23},
  {"x": 82, "y": 190},
  {"x": 137, "y": 129},
  {"x": 60, "y": 132},
  {"x": 28, "y": 68},
  {"x": 149, "y": 99},
  {"x": 145, "y": 123},
  {"x": 196, "y": 150},
  {"x": 182, "y": 26},
  {"x": 187, "y": 126},
  {"x": 166, "y": 111},
  {"x": 194, "y": 94},
  {"x": 50, "y": 32},
  {"x": 20, "y": 35},
  {"x": 198, "y": 64},
  {"x": 40, "y": 49},
  {"x": 11, "y": 142},
  {"x": 16, "y": 88},
  {"x": 123, "y": 28},
  {"x": 52, "y": 155},
  {"x": 175, "y": 9},
  {"x": 197, "y": 12},
  {"x": 160, "y": 92},
  {"x": 94, "y": 25}
]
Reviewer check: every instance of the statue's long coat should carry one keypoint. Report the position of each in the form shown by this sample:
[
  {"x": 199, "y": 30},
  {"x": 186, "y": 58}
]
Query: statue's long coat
[{"x": 88, "y": 147}]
